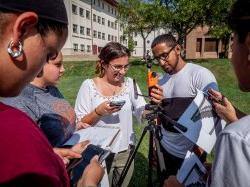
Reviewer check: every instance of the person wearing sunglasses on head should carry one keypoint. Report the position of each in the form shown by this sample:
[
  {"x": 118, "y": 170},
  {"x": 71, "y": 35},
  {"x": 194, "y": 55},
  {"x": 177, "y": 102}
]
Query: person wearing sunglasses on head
[
  {"x": 93, "y": 104},
  {"x": 179, "y": 84}
]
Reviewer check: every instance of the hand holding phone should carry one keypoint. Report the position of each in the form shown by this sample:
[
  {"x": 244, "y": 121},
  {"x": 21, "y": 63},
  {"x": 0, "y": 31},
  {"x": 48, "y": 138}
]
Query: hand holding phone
[
  {"x": 117, "y": 103},
  {"x": 212, "y": 97}
]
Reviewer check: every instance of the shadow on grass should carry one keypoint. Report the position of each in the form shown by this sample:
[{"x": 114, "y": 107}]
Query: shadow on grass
[{"x": 140, "y": 175}]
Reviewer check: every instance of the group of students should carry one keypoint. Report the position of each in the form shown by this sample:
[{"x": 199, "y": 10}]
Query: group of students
[{"x": 32, "y": 35}]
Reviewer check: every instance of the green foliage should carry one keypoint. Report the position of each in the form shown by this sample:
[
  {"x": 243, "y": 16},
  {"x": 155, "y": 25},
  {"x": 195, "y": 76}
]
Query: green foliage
[
  {"x": 218, "y": 23},
  {"x": 141, "y": 17},
  {"x": 188, "y": 14},
  {"x": 131, "y": 43}
]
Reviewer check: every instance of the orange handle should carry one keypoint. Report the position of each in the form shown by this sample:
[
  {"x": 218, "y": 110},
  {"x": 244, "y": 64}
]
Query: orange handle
[{"x": 152, "y": 79}]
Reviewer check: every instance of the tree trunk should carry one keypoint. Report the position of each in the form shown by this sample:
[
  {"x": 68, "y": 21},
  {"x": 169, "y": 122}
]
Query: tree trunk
[
  {"x": 144, "y": 47},
  {"x": 182, "y": 42}
]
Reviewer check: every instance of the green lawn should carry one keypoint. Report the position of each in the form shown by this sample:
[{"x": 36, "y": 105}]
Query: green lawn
[{"x": 76, "y": 72}]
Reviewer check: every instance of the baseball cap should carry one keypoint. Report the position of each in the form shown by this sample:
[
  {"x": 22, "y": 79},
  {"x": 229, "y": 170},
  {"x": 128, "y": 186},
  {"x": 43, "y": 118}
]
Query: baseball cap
[{"x": 49, "y": 9}]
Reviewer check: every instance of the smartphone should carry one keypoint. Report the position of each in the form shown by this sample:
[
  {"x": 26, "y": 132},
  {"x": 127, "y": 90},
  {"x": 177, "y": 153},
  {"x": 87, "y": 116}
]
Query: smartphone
[
  {"x": 87, "y": 155},
  {"x": 103, "y": 156},
  {"x": 73, "y": 163},
  {"x": 213, "y": 98},
  {"x": 93, "y": 150},
  {"x": 117, "y": 103}
]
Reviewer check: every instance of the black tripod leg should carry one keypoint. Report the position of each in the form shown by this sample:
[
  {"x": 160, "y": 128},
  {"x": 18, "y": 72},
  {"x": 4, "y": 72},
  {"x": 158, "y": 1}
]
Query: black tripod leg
[
  {"x": 131, "y": 158},
  {"x": 150, "y": 158}
]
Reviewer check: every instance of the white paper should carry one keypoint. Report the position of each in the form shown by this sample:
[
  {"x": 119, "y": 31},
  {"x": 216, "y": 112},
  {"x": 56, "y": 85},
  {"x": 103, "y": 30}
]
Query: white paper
[
  {"x": 101, "y": 136},
  {"x": 202, "y": 123},
  {"x": 191, "y": 170}
]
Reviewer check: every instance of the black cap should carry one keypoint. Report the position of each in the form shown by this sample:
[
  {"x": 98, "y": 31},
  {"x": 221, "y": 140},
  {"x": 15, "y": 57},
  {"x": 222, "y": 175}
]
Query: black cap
[{"x": 49, "y": 9}]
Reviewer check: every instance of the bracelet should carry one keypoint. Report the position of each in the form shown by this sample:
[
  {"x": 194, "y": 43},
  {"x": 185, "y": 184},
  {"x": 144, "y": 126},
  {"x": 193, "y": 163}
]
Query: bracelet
[{"x": 97, "y": 113}]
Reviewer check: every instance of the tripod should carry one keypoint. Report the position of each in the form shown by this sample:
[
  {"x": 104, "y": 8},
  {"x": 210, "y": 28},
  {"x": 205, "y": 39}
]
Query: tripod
[
  {"x": 154, "y": 135},
  {"x": 152, "y": 128}
]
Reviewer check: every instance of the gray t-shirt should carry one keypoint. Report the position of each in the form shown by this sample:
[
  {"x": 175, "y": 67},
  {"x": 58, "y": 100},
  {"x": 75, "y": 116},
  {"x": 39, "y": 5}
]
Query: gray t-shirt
[
  {"x": 179, "y": 90},
  {"x": 49, "y": 109},
  {"x": 231, "y": 165}
]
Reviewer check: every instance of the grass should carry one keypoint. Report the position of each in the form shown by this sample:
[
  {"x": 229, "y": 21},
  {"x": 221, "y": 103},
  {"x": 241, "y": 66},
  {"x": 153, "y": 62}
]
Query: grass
[{"x": 76, "y": 72}]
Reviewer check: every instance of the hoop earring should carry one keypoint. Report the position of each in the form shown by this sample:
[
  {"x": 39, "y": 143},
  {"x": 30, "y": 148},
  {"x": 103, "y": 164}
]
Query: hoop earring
[{"x": 16, "y": 53}]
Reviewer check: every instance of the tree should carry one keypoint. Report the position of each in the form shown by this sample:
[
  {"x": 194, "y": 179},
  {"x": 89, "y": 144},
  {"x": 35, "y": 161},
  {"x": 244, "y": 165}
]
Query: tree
[
  {"x": 188, "y": 14},
  {"x": 141, "y": 17},
  {"x": 219, "y": 23}
]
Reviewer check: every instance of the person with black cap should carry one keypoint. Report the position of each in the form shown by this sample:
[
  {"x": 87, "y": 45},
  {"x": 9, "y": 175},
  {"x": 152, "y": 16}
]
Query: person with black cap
[{"x": 31, "y": 32}]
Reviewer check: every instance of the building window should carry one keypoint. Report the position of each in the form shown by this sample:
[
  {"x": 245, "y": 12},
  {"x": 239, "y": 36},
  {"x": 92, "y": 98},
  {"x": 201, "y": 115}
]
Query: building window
[
  {"x": 102, "y": 5},
  {"x": 112, "y": 10},
  {"x": 112, "y": 25},
  {"x": 75, "y": 47},
  {"x": 88, "y": 48},
  {"x": 87, "y": 14},
  {"x": 115, "y": 38},
  {"x": 88, "y": 31},
  {"x": 81, "y": 12},
  {"x": 74, "y": 9},
  {"x": 103, "y": 36},
  {"x": 108, "y": 23},
  {"x": 74, "y": 28},
  {"x": 94, "y": 34},
  {"x": 82, "y": 48},
  {"x": 198, "y": 44},
  {"x": 94, "y": 17},
  {"x": 135, "y": 43},
  {"x": 99, "y": 3},
  {"x": 211, "y": 45},
  {"x": 99, "y": 19},
  {"x": 115, "y": 12},
  {"x": 103, "y": 21},
  {"x": 81, "y": 30},
  {"x": 94, "y": 2},
  {"x": 115, "y": 25},
  {"x": 112, "y": 38},
  {"x": 99, "y": 35},
  {"x": 108, "y": 8},
  {"x": 109, "y": 37}
]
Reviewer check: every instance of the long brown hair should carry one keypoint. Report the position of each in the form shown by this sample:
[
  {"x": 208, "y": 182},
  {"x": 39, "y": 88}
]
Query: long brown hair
[{"x": 109, "y": 52}]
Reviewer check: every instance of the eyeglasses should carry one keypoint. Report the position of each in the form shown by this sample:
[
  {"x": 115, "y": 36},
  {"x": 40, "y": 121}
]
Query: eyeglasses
[
  {"x": 164, "y": 56},
  {"x": 118, "y": 68}
]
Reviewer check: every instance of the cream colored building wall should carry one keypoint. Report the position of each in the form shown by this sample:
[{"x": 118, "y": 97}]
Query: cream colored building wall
[{"x": 103, "y": 11}]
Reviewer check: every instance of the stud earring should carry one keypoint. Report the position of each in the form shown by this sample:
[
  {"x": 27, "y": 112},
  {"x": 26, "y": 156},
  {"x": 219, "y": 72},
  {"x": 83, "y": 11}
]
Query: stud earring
[{"x": 18, "y": 49}]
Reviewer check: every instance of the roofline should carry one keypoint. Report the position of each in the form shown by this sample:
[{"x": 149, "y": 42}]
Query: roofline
[{"x": 112, "y": 2}]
